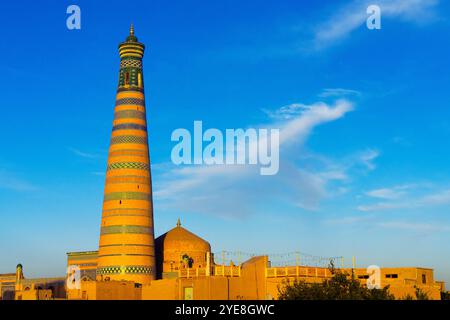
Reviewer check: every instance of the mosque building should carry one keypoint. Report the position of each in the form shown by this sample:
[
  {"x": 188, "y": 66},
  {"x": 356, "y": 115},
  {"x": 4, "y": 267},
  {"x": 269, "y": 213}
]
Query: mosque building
[{"x": 131, "y": 264}]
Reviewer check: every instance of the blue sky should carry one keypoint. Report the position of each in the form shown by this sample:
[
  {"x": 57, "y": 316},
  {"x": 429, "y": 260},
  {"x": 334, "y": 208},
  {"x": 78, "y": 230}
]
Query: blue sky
[{"x": 363, "y": 171}]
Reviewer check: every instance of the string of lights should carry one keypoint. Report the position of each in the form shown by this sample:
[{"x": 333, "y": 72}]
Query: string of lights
[{"x": 278, "y": 259}]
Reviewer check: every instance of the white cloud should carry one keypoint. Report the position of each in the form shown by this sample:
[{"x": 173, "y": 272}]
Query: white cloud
[
  {"x": 440, "y": 198},
  {"x": 286, "y": 112},
  {"x": 373, "y": 221},
  {"x": 338, "y": 92},
  {"x": 368, "y": 157},
  {"x": 385, "y": 193},
  {"x": 298, "y": 128},
  {"x": 81, "y": 153},
  {"x": 403, "y": 200},
  {"x": 391, "y": 193},
  {"x": 240, "y": 189},
  {"x": 349, "y": 220},
  {"x": 352, "y": 16},
  {"x": 395, "y": 192},
  {"x": 402, "y": 141},
  {"x": 311, "y": 113},
  {"x": 334, "y": 174},
  {"x": 385, "y": 206},
  {"x": 10, "y": 181},
  {"x": 413, "y": 226}
]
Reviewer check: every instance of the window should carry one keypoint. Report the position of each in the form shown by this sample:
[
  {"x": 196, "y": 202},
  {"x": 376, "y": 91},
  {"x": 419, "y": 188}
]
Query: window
[
  {"x": 127, "y": 78},
  {"x": 363, "y": 277},
  {"x": 424, "y": 278},
  {"x": 139, "y": 80},
  {"x": 392, "y": 276}
]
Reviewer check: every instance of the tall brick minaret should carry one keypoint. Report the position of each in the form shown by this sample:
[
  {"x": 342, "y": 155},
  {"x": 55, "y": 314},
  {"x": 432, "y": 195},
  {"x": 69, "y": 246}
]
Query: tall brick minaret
[{"x": 126, "y": 248}]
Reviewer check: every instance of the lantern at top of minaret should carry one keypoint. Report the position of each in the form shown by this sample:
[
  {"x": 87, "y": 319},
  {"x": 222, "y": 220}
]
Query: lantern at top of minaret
[{"x": 131, "y": 52}]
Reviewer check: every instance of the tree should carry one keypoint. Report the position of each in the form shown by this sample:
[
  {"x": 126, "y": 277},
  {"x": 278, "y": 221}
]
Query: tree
[
  {"x": 408, "y": 297},
  {"x": 445, "y": 295},
  {"x": 341, "y": 286},
  {"x": 421, "y": 295}
]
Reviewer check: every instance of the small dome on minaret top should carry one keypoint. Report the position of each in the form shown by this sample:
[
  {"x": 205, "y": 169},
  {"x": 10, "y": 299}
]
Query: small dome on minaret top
[{"x": 131, "y": 47}]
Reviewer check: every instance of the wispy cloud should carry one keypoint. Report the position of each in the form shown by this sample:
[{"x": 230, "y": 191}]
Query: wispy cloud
[
  {"x": 439, "y": 198},
  {"x": 309, "y": 115},
  {"x": 11, "y": 181},
  {"x": 413, "y": 226},
  {"x": 82, "y": 154},
  {"x": 349, "y": 220},
  {"x": 401, "y": 141},
  {"x": 385, "y": 193},
  {"x": 395, "y": 192},
  {"x": 373, "y": 221},
  {"x": 352, "y": 16},
  {"x": 287, "y": 112},
  {"x": 398, "y": 198},
  {"x": 338, "y": 92},
  {"x": 368, "y": 157},
  {"x": 239, "y": 189},
  {"x": 385, "y": 206}
]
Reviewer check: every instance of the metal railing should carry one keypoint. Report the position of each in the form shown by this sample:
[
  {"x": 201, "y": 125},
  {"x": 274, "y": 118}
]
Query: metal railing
[
  {"x": 193, "y": 272},
  {"x": 298, "y": 271},
  {"x": 227, "y": 271},
  {"x": 217, "y": 270}
]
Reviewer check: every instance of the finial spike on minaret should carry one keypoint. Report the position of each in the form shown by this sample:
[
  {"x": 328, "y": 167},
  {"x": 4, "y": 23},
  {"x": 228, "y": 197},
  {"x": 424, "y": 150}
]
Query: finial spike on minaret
[
  {"x": 178, "y": 223},
  {"x": 131, "y": 30}
]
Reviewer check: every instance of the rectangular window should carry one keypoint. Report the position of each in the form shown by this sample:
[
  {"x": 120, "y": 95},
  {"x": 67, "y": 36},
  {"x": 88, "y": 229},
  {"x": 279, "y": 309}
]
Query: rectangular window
[
  {"x": 392, "y": 276},
  {"x": 424, "y": 278}
]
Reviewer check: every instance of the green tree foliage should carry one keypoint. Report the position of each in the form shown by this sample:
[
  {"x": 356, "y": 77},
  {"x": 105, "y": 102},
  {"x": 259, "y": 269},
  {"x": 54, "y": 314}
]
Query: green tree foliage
[
  {"x": 408, "y": 297},
  {"x": 445, "y": 295},
  {"x": 341, "y": 286},
  {"x": 420, "y": 294}
]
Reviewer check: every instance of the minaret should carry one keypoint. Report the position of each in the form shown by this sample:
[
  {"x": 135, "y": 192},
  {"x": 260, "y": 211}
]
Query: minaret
[
  {"x": 126, "y": 248},
  {"x": 19, "y": 277}
]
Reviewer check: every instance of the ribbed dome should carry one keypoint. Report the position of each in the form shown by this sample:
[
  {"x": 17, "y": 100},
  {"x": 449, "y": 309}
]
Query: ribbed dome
[
  {"x": 180, "y": 239},
  {"x": 177, "y": 243}
]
